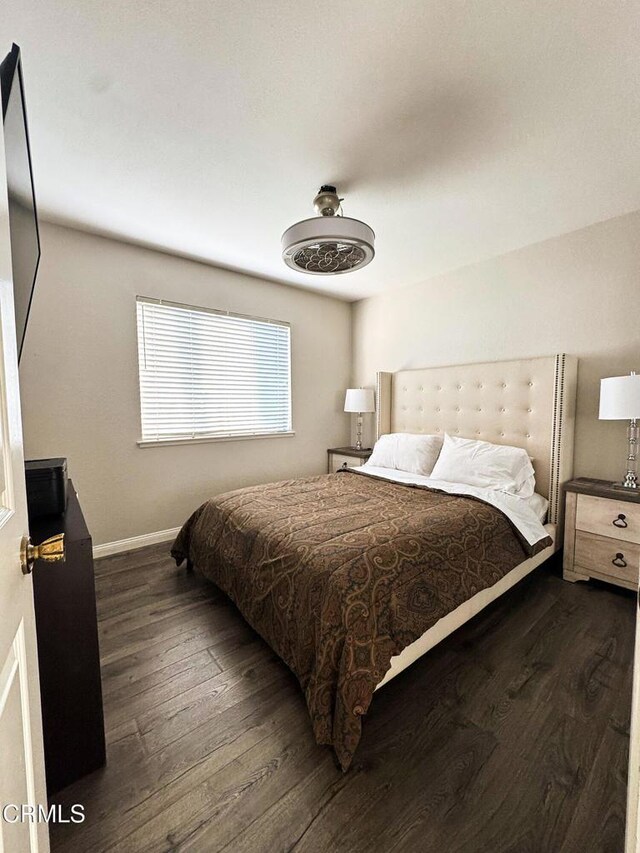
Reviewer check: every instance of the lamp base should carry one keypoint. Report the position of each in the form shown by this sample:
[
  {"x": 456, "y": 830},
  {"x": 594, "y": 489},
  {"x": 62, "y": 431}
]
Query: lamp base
[{"x": 626, "y": 487}]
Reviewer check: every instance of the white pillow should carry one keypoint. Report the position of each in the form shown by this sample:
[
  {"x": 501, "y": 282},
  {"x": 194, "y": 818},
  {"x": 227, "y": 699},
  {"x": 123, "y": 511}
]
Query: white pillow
[
  {"x": 489, "y": 466},
  {"x": 406, "y": 452}
]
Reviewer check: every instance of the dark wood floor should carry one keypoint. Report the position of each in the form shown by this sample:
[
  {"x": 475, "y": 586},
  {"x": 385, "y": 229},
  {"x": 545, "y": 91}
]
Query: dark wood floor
[{"x": 510, "y": 737}]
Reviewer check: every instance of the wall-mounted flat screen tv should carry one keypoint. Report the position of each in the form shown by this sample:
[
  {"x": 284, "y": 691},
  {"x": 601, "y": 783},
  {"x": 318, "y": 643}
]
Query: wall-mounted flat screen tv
[{"x": 23, "y": 219}]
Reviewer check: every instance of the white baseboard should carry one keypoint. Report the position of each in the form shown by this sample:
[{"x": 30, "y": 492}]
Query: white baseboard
[{"x": 134, "y": 542}]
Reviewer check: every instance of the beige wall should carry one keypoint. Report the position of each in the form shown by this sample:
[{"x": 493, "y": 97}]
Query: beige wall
[
  {"x": 79, "y": 381},
  {"x": 579, "y": 294}
]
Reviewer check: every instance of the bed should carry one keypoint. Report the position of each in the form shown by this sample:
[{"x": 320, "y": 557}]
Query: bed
[{"x": 352, "y": 576}]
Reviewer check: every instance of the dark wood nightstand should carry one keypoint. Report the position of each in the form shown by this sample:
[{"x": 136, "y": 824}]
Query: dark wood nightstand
[
  {"x": 347, "y": 457},
  {"x": 601, "y": 533}
]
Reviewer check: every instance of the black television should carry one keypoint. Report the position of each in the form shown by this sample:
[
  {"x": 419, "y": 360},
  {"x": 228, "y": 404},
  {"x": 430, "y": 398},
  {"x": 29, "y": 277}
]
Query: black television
[{"x": 23, "y": 217}]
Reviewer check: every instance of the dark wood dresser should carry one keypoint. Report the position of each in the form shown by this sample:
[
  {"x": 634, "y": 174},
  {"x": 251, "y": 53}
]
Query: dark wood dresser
[{"x": 68, "y": 652}]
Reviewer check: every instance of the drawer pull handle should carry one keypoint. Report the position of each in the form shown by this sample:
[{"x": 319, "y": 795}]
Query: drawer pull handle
[
  {"x": 620, "y": 521},
  {"x": 619, "y": 561}
]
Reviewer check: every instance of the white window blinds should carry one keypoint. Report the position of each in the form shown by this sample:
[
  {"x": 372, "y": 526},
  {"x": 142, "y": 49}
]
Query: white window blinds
[{"x": 211, "y": 374}]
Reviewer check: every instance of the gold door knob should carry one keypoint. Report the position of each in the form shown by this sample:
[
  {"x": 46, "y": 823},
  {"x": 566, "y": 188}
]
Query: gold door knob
[{"x": 51, "y": 551}]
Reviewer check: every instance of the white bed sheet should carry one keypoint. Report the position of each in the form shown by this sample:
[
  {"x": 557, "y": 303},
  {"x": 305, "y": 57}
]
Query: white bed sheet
[{"x": 522, "y": 514}]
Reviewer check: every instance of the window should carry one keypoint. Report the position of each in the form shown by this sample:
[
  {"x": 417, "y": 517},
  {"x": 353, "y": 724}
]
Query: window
[{"x": 210, "y": 374}]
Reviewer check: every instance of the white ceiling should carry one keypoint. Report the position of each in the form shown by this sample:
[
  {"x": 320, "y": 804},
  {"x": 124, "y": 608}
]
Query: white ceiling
[{"x": 457, "y": 130}]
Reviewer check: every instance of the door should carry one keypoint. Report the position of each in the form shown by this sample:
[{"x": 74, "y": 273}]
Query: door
[
  {"x": 22, "y": 780},
  {"x": 632, "y": 843}
]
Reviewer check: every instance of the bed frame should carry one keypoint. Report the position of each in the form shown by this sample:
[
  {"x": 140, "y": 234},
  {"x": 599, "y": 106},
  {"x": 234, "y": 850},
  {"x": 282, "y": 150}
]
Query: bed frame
[{"x": 527, "y": 403}]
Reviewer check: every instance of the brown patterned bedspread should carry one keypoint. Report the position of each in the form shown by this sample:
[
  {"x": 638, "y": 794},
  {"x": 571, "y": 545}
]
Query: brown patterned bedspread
[{"x": 340, "y": 572}]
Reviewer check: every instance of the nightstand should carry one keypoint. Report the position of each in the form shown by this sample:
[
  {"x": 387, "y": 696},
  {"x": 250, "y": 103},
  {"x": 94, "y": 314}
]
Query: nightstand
[
  {"x": 347, "y": 457},
  {"x": 601, "y": 533}
]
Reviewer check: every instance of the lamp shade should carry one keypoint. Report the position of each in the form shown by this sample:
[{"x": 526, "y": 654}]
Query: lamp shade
[
  {"x": 359, "y": 400},
  {"x": 620, "y": 398}
]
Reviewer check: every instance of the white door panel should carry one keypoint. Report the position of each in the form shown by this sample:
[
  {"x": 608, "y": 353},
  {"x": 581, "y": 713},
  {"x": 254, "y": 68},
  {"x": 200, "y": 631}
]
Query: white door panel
[
  {"x": 17, "y": 779},
  {"x": 22, "y": 781}
]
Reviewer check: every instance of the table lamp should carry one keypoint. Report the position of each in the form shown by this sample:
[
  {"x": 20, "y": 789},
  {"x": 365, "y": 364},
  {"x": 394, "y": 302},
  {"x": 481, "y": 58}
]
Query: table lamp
[
  {"x": 620, "y": 400},
  {"x": 359, "y": 400}
]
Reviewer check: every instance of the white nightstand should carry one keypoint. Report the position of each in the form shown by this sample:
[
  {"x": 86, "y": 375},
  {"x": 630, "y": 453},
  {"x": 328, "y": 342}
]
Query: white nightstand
[
  {"x": 601, "y": 533},
  {"x": 346, "y": 457}
]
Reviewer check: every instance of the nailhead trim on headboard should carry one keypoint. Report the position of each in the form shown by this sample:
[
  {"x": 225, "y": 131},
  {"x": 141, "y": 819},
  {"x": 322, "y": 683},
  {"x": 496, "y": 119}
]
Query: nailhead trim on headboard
[
  {"x": 383, "y": 403},
  {"x": 556, "y": 437}
]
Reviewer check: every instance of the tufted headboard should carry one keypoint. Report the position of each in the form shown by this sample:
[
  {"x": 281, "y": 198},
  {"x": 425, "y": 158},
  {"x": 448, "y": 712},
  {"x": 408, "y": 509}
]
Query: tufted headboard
[{"x": 526, "y": 403}]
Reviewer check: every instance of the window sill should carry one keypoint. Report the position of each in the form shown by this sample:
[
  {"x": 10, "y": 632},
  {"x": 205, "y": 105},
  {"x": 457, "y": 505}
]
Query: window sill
[{"x": 164, "y": 442}]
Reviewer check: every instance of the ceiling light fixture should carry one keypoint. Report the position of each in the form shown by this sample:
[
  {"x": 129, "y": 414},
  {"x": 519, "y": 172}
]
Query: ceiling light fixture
[{"x": 329, "y": 243}]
